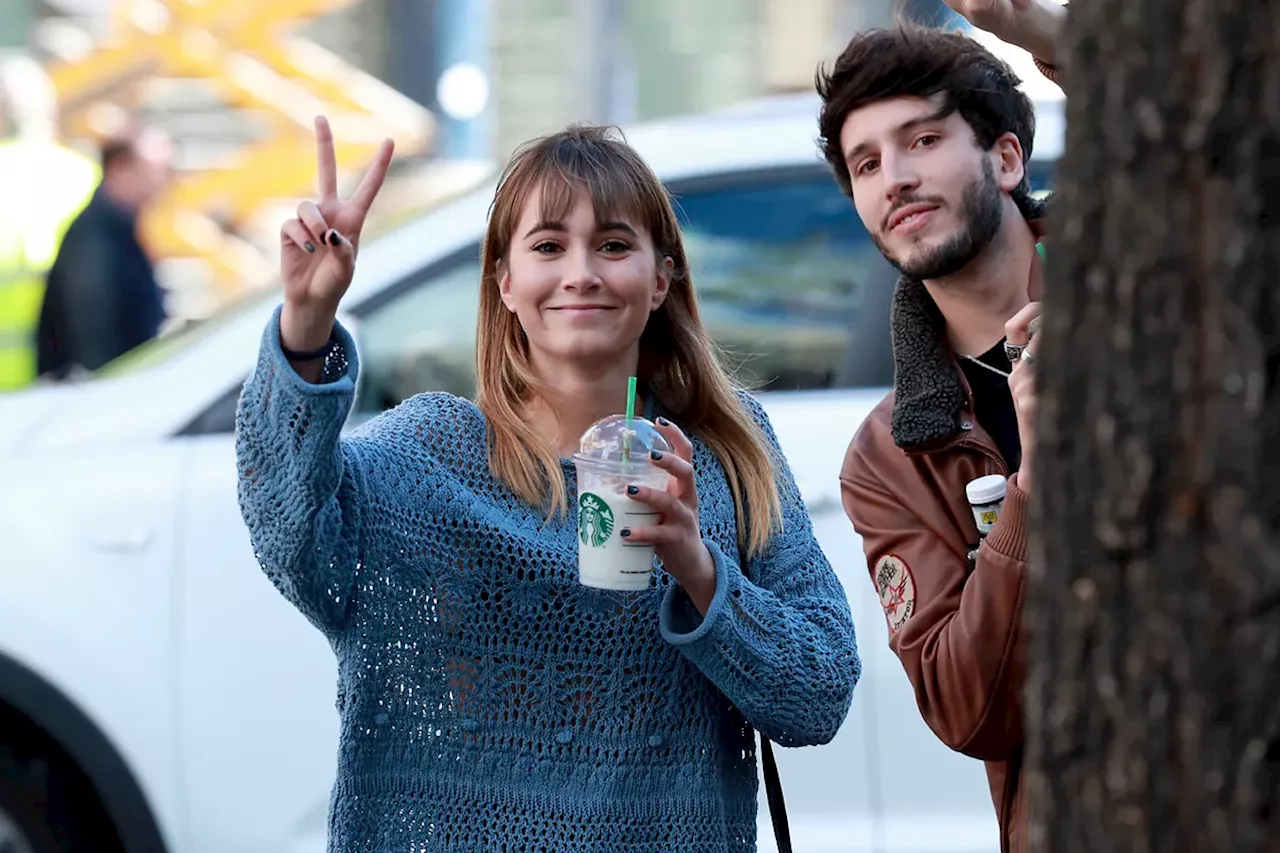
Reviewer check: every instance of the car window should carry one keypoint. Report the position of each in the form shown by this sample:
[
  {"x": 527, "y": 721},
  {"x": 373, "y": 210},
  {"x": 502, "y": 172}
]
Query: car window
[
  {"x": 423, "y": 339},
  {"x": 781, "y": 264},
  {"x": 779, "y": 260},
  {"x": 789, "y": 283}
]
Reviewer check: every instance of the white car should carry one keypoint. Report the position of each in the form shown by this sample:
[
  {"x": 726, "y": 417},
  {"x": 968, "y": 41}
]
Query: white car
[{"x": 158, "y": 694}]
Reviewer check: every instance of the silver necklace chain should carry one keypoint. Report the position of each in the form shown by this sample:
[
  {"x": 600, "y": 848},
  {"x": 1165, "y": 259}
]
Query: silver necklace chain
[{"x": 982, "y": 363}]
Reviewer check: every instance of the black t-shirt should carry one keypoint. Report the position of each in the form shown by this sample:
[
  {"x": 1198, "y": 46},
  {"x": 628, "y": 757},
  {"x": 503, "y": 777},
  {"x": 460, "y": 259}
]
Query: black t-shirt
[{"x": 993, "y": 404}]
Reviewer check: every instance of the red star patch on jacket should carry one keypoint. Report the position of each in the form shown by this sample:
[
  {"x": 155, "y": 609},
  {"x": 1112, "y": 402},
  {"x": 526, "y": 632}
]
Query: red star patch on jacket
[{"x": 897, "y": 590}]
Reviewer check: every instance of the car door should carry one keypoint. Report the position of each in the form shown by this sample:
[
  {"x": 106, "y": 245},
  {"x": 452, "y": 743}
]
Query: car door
[
  {"x": 256, "y": 685},
  {"x": 88, "y": 529}
]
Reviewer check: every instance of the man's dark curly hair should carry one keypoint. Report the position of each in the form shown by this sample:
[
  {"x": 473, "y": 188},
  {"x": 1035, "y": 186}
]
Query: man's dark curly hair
[{"x": 915, "y": 61}]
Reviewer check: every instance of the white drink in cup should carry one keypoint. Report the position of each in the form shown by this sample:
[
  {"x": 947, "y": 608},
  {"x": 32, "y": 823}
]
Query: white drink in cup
[{"x": 611, "y": 457}]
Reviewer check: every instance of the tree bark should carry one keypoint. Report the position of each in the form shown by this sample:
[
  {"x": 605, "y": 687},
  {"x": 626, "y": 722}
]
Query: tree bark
[{"x": 1153, "y": 696}]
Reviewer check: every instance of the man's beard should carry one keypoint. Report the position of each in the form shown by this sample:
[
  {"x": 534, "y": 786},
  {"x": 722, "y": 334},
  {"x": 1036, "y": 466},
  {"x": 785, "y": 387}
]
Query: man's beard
[{"x": 982, "y": 208}]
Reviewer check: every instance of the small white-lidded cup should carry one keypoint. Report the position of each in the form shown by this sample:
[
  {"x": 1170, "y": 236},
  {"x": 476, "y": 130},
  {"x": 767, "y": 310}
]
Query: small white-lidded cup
[{"x": 986, "y": 496}]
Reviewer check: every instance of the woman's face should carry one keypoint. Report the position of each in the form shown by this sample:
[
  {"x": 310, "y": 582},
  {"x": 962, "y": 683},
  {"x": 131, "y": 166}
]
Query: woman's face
[{"x": 582, "y": 289}]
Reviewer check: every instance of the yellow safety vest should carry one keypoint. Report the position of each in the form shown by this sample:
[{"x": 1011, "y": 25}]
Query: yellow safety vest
[{"x": 45, "y": 185}]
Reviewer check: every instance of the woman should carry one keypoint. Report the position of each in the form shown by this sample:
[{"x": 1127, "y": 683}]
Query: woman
[{"x": 488, "y": 700}]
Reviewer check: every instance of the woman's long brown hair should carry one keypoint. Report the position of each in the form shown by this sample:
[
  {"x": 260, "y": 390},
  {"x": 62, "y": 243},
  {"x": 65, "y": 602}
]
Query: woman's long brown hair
[{"x": 679, "y": 364}]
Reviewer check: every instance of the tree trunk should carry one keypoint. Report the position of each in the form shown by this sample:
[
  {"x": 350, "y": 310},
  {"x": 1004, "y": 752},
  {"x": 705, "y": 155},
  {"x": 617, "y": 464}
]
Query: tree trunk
[{"x": 1153, "y": 696}]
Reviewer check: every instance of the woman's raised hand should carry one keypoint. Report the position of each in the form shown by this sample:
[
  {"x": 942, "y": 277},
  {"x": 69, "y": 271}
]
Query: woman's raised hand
[{"x": 318, "y": 247}]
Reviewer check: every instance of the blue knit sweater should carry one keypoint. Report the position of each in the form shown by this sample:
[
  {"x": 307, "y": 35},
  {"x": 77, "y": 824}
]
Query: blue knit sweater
[{"x": 489, "y": 701}]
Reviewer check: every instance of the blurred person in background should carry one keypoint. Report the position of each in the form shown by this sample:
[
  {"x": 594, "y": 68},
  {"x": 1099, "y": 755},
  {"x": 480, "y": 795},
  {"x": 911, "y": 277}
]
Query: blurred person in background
[
  {"x": 102, "y": 298},
  {"x": 488, "y": 699},
  {"x": 43, "y": 185}
]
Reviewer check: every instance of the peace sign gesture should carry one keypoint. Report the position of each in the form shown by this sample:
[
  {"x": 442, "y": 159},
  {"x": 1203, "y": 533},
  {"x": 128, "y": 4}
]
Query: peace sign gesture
[{"x": 318, "y": 248}]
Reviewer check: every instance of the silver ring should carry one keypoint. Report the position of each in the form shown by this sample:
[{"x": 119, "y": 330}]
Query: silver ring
[{"x": 1013, "y": 351}]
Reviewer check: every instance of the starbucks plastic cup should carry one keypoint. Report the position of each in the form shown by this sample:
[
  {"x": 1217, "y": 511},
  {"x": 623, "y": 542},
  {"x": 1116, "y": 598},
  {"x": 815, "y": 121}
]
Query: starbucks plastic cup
[{"x": 611, "y": 457}]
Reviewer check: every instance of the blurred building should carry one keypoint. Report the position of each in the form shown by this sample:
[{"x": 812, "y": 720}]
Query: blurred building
[
  {"x": 236, "y": 83},
  {"x": 621, "y": 61},
  {"x": 458, "y": 83}
]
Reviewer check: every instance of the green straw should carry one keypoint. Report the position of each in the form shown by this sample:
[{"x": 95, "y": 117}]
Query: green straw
[
  {"x": 631, "y": 413},
  {"x": 631, "y": 400}
]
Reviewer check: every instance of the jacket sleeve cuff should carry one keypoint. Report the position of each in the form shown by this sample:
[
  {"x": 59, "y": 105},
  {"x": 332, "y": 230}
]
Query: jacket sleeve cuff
[
  {"x": 680, "y": 621},
  {"x": 1009, "y": 535},
  {"x": 1049, "y": 71}
]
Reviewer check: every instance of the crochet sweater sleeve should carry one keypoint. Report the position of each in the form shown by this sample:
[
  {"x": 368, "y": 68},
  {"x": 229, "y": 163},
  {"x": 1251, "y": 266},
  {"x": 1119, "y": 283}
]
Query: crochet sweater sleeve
[
  {"x": 299, "y": 484},
  {"x": 778, "y": 638}
]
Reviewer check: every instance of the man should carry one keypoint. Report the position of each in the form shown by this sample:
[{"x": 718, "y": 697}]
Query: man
[
  {"x": 929, "y": 136},
  {"x": 45, "y": 185},
  {"x": 102, "y": 299}
]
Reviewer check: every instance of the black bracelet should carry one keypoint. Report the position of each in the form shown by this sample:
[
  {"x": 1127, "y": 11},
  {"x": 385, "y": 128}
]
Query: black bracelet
[{"x": 314, "y": 355}]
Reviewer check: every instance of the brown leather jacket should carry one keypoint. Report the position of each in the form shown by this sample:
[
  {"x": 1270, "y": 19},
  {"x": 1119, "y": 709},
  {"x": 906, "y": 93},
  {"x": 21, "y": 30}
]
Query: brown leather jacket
[{"x": 953, "y": 618}]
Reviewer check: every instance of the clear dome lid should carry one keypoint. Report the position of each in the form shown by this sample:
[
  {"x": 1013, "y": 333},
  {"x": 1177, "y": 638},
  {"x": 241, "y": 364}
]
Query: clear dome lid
[{"x": 609, "y": 440}]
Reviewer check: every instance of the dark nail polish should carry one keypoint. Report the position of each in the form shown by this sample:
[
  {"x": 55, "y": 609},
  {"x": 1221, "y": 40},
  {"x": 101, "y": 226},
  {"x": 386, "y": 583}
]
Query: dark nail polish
[
  {"x": 664, "y": 422},
  {"x": 626, "y": 533},
  {"x": 633, "y": 490},
  {"x": 655, "y": 455},
  {"x": 309, "y": 246},
  {"x": 333, "y": 238}
]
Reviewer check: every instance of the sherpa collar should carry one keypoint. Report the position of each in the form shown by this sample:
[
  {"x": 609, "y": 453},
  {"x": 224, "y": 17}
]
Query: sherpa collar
[{"x": 929, "y": 394}]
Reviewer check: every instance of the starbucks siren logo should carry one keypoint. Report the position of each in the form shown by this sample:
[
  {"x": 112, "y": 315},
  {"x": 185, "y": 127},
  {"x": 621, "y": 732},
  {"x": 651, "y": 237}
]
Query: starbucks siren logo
[{"x": 595, "y": 520}]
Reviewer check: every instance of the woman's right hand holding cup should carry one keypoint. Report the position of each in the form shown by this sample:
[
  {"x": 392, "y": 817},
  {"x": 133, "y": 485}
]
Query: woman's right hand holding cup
[{"x": 318, "y": 247}]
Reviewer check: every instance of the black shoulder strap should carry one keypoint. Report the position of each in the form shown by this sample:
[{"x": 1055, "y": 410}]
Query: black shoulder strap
[
  {"x": 773, "y": 790},
  {"x": 772, "y": 782}
]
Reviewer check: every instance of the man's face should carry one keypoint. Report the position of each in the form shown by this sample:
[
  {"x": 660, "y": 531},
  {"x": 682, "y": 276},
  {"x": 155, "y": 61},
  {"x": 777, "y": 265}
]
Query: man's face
[
  {"x": 148, "y": 170},
  {"x": 931, "y": 199},
  {"x": 155, "y": 155}
]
